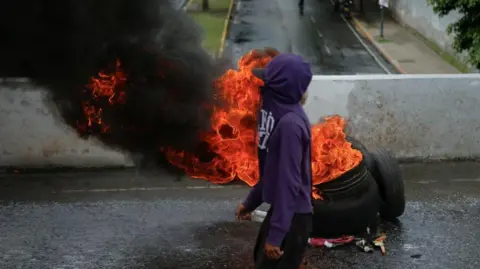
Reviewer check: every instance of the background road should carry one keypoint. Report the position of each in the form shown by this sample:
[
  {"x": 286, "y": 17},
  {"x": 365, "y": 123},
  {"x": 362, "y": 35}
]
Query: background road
[
  {"x": 178, "y": 3},
  {"x": 321, "y": 36},
  {"x": 119, "y": 220}
]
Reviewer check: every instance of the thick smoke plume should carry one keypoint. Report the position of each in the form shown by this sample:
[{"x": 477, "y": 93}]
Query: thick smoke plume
[{"x": 168, "y": 93}]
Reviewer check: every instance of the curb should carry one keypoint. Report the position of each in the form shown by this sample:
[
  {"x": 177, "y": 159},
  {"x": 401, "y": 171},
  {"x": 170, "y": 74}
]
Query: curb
[
  {"x": 361, "y": 29},
  {"x": 226, "y": 25}
]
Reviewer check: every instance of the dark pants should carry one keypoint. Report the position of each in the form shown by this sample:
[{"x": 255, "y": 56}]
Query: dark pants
[
  {"x": 301, "y": 3},
  {"x": 293, "y": 246}
]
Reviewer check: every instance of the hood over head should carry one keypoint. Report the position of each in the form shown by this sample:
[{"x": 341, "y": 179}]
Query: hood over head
[{"x": 286, "y": 78}]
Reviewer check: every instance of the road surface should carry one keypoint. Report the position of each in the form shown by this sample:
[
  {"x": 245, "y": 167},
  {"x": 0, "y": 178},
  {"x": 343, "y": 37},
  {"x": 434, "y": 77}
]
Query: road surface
[
  {"x": 119, "y": 220},
  {"x": 321, "y": 36},
  {"x": 178, "y": 3}
]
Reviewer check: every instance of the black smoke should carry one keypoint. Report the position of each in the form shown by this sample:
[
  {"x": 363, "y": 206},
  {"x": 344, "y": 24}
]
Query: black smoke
[{"x": 61, "y": 44}]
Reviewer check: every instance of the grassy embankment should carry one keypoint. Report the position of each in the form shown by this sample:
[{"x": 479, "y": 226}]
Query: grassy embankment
[{"x": 213, "y": 21}]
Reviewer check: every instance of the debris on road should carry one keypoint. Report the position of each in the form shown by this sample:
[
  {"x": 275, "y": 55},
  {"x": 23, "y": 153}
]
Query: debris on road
[
  {"x": 368, "y": 247},
  {"x": 364, "y": 244},
  {"x": 378, "y": 242},
  {"x": 330, "y": 243}
]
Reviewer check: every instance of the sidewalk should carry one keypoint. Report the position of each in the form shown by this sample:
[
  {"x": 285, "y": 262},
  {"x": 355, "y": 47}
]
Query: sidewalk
[{"x": 404, "y": 50}]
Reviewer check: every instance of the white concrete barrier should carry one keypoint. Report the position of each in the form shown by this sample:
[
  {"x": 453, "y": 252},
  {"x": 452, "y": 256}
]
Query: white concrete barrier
[
  {"x": 31, "y": 138},
  {"x": 416, "y": 116}
]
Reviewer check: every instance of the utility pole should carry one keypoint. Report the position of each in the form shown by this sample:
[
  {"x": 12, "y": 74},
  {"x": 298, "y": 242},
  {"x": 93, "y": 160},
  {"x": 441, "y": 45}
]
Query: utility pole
[
  {"x": 382, "y": 21},
  {"x": 383, "y": 5}
]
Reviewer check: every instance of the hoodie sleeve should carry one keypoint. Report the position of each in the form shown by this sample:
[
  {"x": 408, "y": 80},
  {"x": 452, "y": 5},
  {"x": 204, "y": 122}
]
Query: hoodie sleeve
[
  {"x": 254, "y": 198},
  {"x": 284, "y": 163}
]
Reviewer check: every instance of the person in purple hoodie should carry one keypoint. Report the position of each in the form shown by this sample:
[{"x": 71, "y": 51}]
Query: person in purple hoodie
[{"x": 284, "y": 153}]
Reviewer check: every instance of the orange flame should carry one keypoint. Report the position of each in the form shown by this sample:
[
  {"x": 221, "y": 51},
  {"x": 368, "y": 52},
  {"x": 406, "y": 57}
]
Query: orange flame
[
  {"x": 233, "y": 136},
  {"x": 103, "y": 86},
  {"x": 233, "y": 124},
  {"x": 232, "y": 139}
]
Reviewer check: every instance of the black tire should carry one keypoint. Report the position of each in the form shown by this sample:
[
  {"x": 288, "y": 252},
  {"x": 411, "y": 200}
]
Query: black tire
[
  {"x": 367, "y": 156},
  {"x": 390, "y": 183},
  {"x": 347, "y": 215},
  {"x": 347, "y": 185}
]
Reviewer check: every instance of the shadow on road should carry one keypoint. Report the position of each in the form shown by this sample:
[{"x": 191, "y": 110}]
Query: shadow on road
[{"x": 220, "y": 245}]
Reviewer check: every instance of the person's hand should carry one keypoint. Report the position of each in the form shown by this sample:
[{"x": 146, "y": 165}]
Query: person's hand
[
  {"x": 241, "y": 213},
  {"x": 273, "y": 252}
]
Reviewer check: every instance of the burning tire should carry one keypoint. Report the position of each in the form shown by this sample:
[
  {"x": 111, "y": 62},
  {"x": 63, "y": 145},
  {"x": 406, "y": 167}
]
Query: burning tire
[
  {"x": 388, "y": 176},
  {"x": 367, "y": 156},
  {"x": 350, "y": 204}
]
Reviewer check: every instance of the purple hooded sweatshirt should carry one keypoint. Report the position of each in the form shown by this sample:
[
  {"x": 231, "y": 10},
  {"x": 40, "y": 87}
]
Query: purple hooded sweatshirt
[{"x": 284, "y": 145}]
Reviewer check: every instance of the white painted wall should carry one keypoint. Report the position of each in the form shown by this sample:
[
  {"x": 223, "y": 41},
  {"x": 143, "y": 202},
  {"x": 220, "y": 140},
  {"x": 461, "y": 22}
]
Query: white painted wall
[
  {"x": 30, "y": 137},
  {"x": 420, "y": 16},
  {"x": 417, "y": 116}
]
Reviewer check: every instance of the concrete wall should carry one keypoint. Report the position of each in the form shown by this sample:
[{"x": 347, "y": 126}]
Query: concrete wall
[
  {"x": 420, "y": 16},
  {"x": 30, "y": 137},
  {"x": 417, "y": 116}
]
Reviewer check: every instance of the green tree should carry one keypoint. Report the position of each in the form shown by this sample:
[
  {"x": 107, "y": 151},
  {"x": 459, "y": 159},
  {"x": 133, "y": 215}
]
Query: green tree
[{"x": 467, "y": 29}]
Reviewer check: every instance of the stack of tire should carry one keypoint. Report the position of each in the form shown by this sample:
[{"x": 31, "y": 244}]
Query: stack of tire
[{"x": 353, "y": 202}]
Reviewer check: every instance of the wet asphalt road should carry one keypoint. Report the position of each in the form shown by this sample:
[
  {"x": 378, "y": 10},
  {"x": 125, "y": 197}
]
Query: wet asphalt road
[
  {"x": 119, "y": 220},
  {"x": 178, "y": 3},
  {"x": 321, "y": 36}
]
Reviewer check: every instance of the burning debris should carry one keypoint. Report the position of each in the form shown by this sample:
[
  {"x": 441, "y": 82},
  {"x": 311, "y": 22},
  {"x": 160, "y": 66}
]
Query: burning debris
[
  {"x": 131, "y": 73},
  {"x": 231, "y": 143}
]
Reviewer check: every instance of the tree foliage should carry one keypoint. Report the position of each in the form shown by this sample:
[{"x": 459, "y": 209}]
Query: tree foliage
[{"x": 466, "y": 29}]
